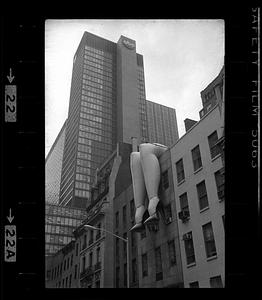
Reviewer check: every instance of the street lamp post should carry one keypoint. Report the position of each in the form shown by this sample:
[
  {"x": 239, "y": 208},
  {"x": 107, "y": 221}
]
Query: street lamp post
[{"x": 117, "y": 236}]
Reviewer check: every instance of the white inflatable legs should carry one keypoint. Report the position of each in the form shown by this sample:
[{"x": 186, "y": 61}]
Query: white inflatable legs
[{"x": 145, "y": 170}]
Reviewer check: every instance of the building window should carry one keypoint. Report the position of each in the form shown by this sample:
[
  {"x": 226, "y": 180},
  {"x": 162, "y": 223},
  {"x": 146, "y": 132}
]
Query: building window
[
  {"x": 180, "y": 171},
  {"x": 158, "y": 261},
  {"x": 172, "y": 253},
  {"x": 216, "y": 282},
  {"x": 83, "y": 263},
  {"x": 168, "y": 213},
  {"x": 117, "y": 276},
  {"x": 68, "y": 261},
  {"x": 189, "y": 248},
  {"x": 125, "y": 275},
  {"x": 144, "y": 265},
  {"x": 70, "y": 280},
  {"x": 66, "y": 281},
  {"x": 209, "y": 240},
  {"x": 133, "y": 242},
  {"x": 71, "y": 264},
  {"x": 76, "y": 249},
  {"x": 220, "y": 182},
  {"x": 75, "y": 271},
  {"x": 214, "y": 149},
  {"x": 165, "y": 181},
  {"x": 98, "y": 254},
  {"x": 91, "y": 239},
  {"x": 97, "y": 285},
  {"x": 84, "y": 242},
  {"x": 117, "y": 250},
  {"x": 134, "y": 270},
  {"x": 202, "y": 195},
  {"x": 184, "y": 207},
  {"x": 124, "y": 215},
  {"x": 194, "y": 284},
  {"x": 98, "y": 234},
  {"x": 90, "y": 259},
  {"x": 117, "y": 219},
  {"x": 132, "y": 209},
  {"x": 124, "y": 245},
  {"x": 196, "y": 156}
]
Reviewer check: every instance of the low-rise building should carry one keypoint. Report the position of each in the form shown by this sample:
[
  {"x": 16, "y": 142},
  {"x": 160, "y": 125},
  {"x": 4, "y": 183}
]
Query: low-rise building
[
  {"x": 62, "y": 269},
  {"x": 198, "y": 174}
]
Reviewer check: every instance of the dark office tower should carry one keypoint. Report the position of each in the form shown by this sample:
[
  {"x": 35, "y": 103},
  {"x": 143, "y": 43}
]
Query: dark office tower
[
  {"x": 53, "y": 168},
  {"x": 91, "y": 127},
  {"x": 162, "y": 123}
]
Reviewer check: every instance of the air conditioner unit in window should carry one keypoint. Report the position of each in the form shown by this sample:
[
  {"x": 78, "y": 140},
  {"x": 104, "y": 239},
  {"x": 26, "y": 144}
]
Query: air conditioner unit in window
[
  {"x": 168, "y": 220},
  {"x": 187, "y": 236},
  {"x": 183, "y": 215}
]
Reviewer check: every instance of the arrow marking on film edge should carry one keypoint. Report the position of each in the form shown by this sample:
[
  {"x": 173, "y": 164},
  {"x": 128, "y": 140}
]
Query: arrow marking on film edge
[
  {"x": 10, "y": 77},
  {"x": 10, "y": 218}
]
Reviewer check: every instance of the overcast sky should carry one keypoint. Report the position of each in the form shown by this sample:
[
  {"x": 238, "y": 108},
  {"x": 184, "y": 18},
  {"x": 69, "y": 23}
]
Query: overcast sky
[{"x": 181, "y": 57}]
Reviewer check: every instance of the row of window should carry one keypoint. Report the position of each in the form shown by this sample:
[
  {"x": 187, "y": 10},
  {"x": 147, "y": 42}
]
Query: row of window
[
  {"x": 91, "y": 124},
  {"x": 97, "y": 80},
  {"x": 89, "y": 264},
  {"x": 144, "y": 261},
  {"x": 90, "y": 117},
  {"x": 66, "y": 229},
  {"x": 58, "y": 239},
  {"x": 99, "y": 107},
  {"x": 106, "y": 102},
  {"x": 82, "y": 193},
  {"x": 107, "y": 62},
  {"x": 83, "y": 155},
  {"x": 99, "y": 90},
  {"x": 96, "y": 65},
  {"x": 97, "y": 95},
  {"x": 93, "y": 59},
  {"x": 209, "y": 240},
  {"x": 88, "y": 149},
  {"x": 97, "y": 85},
  {"x": 89, "y": 132},
  {"x": 96, "y": 70},
  {"x": 82, "y": 177},
  {"x": 215, "y": 282},
  {"x": 107, "y": 134},
  {"x": 104, "y": 77},
  {"x": 124, "y": 214},
  {"x": 100, "y": 53},
  {"x": 196, "y": 157},
  {"x": 52, "y": 249},
  {"x": 64, "y": 211},
  {"x": 202, "y": 194},
  {"x": 82, "y": 185},
  {"x": 88, "y": 108},
  {"x": 62, "y": 220},
  {"x": 56, "y": 272}
]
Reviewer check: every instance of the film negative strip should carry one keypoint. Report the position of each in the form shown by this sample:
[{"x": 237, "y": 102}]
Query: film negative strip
[{"x": 22, "y": 152}]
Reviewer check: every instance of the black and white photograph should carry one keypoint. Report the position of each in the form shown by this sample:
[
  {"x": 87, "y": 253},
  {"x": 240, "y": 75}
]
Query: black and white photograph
[
  {"x": 129, "y": 152},
  {"x": 134, "y": 147}
]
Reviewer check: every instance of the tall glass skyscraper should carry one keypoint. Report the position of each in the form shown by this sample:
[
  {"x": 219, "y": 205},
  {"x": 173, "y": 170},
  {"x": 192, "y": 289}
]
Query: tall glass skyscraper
[
  {"x": 53, "y": 168},
  {"x": 107, "y": 105}
]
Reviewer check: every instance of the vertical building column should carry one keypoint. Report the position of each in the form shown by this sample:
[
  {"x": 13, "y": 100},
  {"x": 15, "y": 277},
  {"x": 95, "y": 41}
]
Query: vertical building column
[{"x": 128, "y": 106}]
